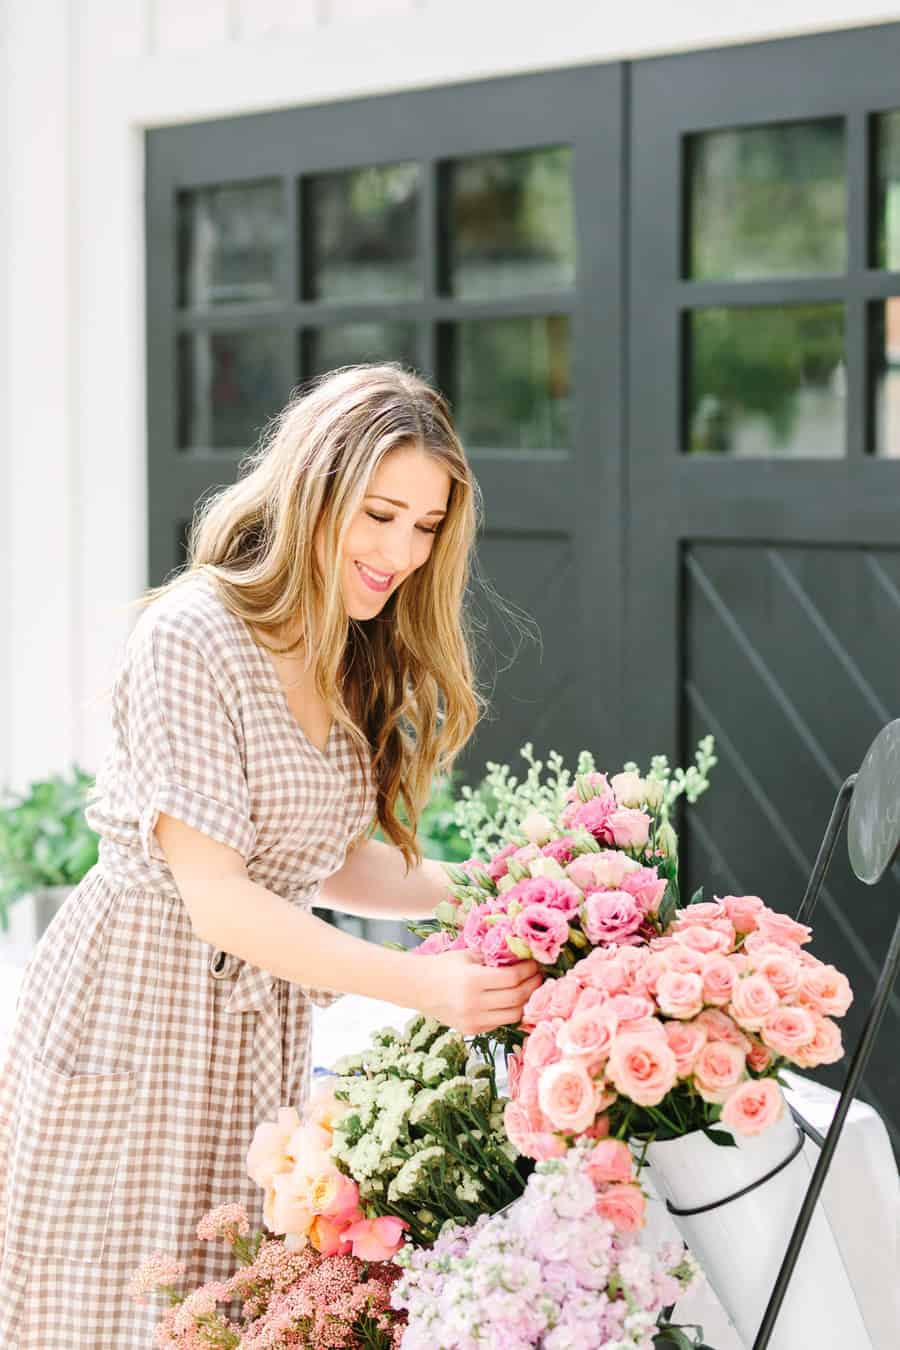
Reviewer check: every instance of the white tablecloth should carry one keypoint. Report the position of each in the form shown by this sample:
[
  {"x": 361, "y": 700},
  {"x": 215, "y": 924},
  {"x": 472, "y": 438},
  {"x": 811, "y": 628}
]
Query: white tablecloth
[{"x": 861, "y": 1194}]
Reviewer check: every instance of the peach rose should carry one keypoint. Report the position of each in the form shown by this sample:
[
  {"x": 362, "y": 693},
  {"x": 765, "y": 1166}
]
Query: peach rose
[
  {"x": 679, "y": 995},
  {"x": 788, "y": 1030},
  {"x": 703, "y": 938},
  {"x": 268, "y": 1151},
  {"x": 700, "y": 913},
  {"x": 538, "y": 1005},
  {"x": 609, "y": 1161},
  {"x": 531, "y": 1143},
  {"x": 753, "y": 1106},
  {"x": 743, "y": 911},
  {"x": 591, "y": 998},
  {"x": 719, "y": 976},
  {"x": 566, "y": 1096},
  {"x": 780, "y": 928},
  {"x": 623, "y": 1206},
  {"x": 686, "y": 960},
  {"x": 718, "y": 1068},
  {"x": 610, "y": 976},
  {"x": 759, "y": 1058},
  {"x": 720, "y": 1027},
  {"x": 324, "y": 1108},
  {"x": 587, "y": 1035},
  {"x": 826, "y": 1047},
  {"x": 781, "y": 968},
  {"x": 564, "y": 996},
  {"x": 752, "y": 1002},
  {"x": 686, "y": 1040},
  {"x": 541, "y": 1048},
  {"x": 824, "y": 990},
  {"x": 630, "y": 1007},
  {"x": 642, "y": 1066}
]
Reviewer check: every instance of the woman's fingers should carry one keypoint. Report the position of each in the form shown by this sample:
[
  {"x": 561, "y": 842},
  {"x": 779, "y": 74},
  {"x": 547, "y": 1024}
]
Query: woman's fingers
[
  {"x": 506, "y": 998},
  {"x": 509, "y": 977}
]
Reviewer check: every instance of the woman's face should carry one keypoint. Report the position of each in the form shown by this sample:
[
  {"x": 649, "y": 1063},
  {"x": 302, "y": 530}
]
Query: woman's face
[{"x": 393, "y": 531}]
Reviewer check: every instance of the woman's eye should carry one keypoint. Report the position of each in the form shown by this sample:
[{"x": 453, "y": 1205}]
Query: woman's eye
[
  {"x": 382, "y": 519},
  {"x": 426, "y": 530}
]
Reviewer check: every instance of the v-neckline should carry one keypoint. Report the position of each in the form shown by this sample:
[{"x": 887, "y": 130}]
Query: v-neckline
[{"x": 269, "y": 667}]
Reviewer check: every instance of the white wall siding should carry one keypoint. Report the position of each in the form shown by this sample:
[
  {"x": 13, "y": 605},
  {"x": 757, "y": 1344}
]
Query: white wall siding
[{"x": 84, "y": 78}]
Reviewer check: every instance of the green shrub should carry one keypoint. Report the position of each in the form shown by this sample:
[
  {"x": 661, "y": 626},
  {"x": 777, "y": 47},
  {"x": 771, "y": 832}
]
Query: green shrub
[{"x": 44, "y": 837}]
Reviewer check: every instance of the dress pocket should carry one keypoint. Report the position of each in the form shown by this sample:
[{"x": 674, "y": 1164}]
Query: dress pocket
[{"x": 64, "y": 1162}]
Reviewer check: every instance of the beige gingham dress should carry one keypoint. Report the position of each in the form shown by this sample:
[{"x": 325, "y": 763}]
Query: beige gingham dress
[{"x": 141, "y": 1059}]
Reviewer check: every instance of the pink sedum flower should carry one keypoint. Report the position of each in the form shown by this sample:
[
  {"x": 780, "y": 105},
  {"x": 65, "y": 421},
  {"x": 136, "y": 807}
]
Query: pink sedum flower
[{"x": 753, "y": 1106}]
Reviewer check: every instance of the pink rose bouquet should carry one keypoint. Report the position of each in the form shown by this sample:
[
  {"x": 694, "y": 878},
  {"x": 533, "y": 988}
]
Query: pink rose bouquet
[{"x": 689, "y": 1028}]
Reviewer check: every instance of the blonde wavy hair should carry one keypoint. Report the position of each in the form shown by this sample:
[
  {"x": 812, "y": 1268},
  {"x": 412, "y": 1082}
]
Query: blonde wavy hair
[{"x": 402, "y": 683}]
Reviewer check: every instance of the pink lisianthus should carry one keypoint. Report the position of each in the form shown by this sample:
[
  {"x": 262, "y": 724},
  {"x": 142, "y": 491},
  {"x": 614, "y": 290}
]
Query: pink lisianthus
[
  {"x": 495, "y": 950},
  {"x": 610, "y": 916},
  {"x": 679, "y": 995},
  {"x": 743, "y": 911},
  {"x": 566, "y": 1096},
  {"x": 267, "y": 1154},
  {"x": 498, "y": 865},
  {"x": 376, "y": 1239},
  {"x": 439, "y": 942},
  {"x": 628, "y": 828},
  {"x": 598, "y": 781},
  {"x": 647, "y": 887},
  {"x": 718, "y": 1069},
  {"x": 624, "y": 1207},
  {"x": 594, "y": 816},
  {"x": 544, "y": 930},
  {"x": 475, "y": 928},
  {"x": 642, "y": 1067},
  {"x": 753, "y": 1106},
  {"x": 558, "y": 894},
  {"x": 560, "y": 850},
  {"x": 686, "y": 1040}
]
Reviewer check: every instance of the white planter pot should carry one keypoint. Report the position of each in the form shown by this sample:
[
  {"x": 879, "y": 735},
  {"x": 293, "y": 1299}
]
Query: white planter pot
[
  {"x": 740, "y": 1245},
  {"x": 29, "y": 918}
]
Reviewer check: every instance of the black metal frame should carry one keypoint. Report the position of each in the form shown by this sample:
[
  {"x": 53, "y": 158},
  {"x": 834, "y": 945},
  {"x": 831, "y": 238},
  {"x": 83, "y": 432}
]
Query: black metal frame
[{"x": 860, "y": 1057}]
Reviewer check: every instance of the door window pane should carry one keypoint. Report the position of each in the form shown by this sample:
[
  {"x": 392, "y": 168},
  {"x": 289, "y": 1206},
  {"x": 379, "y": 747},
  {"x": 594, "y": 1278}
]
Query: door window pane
[
  {"x": 510, "y": 222},
  {"x": 767, "y": 380},
  {"x": 767, "y": 201},
  {"x": 885, "y": 347},
  {"x": 229, "y": 384},
  {"x": 510, "y": 381},
  {"x": 361, "y": 234},
  {"x": 887, "y": 191},
  {"x": 231, "y": 242},
  {"x": 345, "y": 344}
]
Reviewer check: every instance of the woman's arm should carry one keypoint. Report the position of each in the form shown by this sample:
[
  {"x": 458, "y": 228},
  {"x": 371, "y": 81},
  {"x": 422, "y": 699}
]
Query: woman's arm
[
  {"x": 374, "y": 883},
  {"x": 237, "y": 915}
]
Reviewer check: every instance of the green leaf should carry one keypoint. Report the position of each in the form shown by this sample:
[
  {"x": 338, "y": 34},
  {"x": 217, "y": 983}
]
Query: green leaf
[
  {"x": 667, "y": 907},
  {"x": 720, "y": 1137},
  {"x": 672, "y": 1338},
  {"x": 697, "y": 897}
]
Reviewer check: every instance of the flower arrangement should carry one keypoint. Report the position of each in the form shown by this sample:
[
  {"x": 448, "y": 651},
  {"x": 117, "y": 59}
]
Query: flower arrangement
[
  {"x": 604, "y": 869},
  {"x": 421, "y": 1132},
  {"x": 685, "y": 1030},
  {"x": 553, "y": 1271},
  {"x": 290, "y": 1300}
]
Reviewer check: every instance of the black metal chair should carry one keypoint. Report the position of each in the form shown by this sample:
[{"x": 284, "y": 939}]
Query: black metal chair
[{"x": 872, "y": 798}]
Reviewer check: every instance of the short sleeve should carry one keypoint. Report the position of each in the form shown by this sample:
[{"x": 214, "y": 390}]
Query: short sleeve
[{"x": 185, "y": 750}]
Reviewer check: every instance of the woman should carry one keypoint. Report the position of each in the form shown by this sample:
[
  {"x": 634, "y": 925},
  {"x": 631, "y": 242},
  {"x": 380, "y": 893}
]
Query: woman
[{"x": 305, "y": 675}]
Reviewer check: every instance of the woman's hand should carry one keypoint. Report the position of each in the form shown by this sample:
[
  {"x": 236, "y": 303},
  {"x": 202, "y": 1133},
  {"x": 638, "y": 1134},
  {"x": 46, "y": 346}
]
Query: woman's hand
[{"x": 460, "y": 992}]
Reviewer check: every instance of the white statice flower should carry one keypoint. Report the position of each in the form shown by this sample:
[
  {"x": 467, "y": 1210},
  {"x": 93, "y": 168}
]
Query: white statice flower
[
  {"x": 348, "y": 1064},
  {"x": 450, "y": 1046},
  {"x": 423, "y": 1034},
  {"x": 469, "y": 1190},
  {"x": 434, "y": 1069},
  {"x": 426, "y": 1109},
  {"x": 457, "y": 1092}
]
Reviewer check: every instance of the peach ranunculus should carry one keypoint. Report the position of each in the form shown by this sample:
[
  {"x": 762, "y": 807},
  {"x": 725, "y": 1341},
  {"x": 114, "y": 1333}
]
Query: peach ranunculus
[
  {"x": 566, "y": 1096},
  {"x": 743, "y": 911},
  {"x": 268, "y": 1151},
  {"x": 753, "y": 1106},
  {"x": 686, "y": 1040},
  {"x": 789, "y": 1030},
  {"x": 825, "y": 990},
  {"x": 781, "y": 928},
  {"x": 718, "y": 1069},
  {"x": 720, "y": 1027},
  {"x": 587, "y": 1035},
  {"x": 826, "y": 1047},
  {"x": 623, "y": 1206},
  {"x": 719, "y": 976},
  {"x": 679, "y": 995},
  {"x": 642, "y": 1067},
  {"x": 752, "y": 1002},
  {"x": 609, "y": 1161}
]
